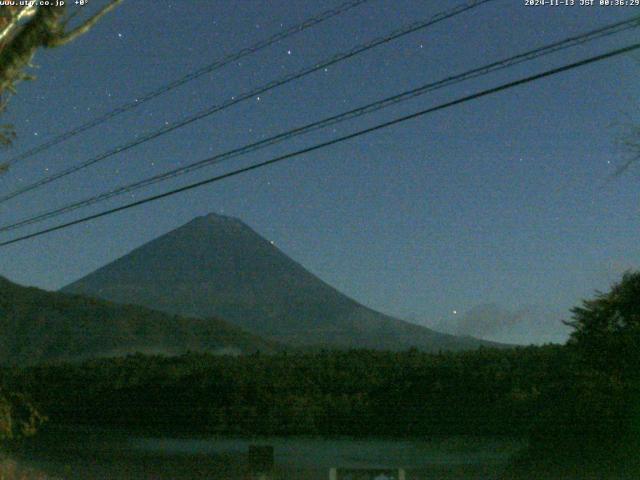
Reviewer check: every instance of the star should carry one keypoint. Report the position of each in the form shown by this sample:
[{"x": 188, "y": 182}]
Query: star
[
  {"x": 119, "y": 35},
  {"x": 288, "y": 52}
]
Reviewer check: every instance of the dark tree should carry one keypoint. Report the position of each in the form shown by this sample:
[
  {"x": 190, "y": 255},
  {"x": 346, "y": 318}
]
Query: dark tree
[
  {"x": 606, "y": 339},
  {"x": 607, "y": 329}
]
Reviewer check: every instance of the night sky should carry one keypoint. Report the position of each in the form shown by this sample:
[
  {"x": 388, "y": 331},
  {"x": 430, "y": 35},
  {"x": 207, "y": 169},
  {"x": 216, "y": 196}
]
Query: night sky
[{"x": 505, "y": 200}]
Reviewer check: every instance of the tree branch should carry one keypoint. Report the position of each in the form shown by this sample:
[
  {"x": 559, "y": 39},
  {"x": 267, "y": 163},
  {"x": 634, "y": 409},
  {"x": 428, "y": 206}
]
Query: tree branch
[
  {"x": 15, "y": 19},
  {"x": 57, "y": 41}
]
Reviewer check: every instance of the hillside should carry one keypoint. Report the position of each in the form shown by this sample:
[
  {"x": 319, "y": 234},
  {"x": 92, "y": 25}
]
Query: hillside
[
  {"x": 36, "y": 325},
  {"x": 218, "y": 266}
]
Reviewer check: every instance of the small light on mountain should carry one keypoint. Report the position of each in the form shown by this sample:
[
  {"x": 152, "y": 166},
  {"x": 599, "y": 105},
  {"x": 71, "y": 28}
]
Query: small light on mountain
[{"x": 272, "y": 242}]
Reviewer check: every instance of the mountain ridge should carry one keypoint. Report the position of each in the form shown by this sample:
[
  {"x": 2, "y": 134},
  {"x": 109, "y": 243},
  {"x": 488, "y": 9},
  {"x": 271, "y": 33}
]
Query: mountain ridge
[
  {"x": 217, "y": 265},
  {"x": 37, "y": 325}
]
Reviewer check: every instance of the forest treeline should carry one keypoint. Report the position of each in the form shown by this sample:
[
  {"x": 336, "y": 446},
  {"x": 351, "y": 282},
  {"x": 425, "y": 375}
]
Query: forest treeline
[
  {"x": 488, "y": 391},
  {"x": 586, "y": 388}
]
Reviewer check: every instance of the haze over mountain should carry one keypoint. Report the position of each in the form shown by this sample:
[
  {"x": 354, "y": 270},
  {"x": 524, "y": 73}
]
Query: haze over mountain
[
  {"x": 218, "y": 266},
  {"x": 36, "y": 326},
  {"x": 530, "y": 324}
]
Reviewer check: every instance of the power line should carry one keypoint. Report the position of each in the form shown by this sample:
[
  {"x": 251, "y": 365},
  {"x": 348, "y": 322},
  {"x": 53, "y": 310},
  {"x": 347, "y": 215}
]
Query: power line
[
  {"x": 251, "y": 94},
  {"x": 332, "y": 120},
  {"x": 337, "y": 140},
  {"x": 217, "y": 64}
]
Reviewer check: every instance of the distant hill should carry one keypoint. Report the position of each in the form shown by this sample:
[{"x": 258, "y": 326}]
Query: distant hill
[
  {"x": 37, "y": 326},
  {"x": 218, "y": 266}
]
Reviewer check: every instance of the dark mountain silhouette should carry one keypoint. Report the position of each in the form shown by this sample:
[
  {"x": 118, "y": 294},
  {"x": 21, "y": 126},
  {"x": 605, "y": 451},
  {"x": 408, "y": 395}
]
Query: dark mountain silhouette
[
  {"x": 36, "y": 326},
  {"x": 218, "y": 266}
]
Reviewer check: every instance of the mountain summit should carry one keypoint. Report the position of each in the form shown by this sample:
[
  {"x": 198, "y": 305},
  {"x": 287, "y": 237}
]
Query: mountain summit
[{"x": 217, "y": 266}]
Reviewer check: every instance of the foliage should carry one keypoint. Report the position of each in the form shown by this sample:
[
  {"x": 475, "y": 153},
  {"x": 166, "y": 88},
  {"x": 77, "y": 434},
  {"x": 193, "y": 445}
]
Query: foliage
[
  {"x": 47, "y": 26},
  {"x": 18, "y": 417},
  {"x": 606, "y": 339},
  {"x": 359, "y": 392},
  {"x": 607, "y": 329},
  {"x": 24, "y": 29},
  {"x": 629, "y": 141}
]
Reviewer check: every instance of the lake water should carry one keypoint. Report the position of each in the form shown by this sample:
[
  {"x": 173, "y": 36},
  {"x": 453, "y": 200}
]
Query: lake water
[{"x": 91, "y": 454}]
